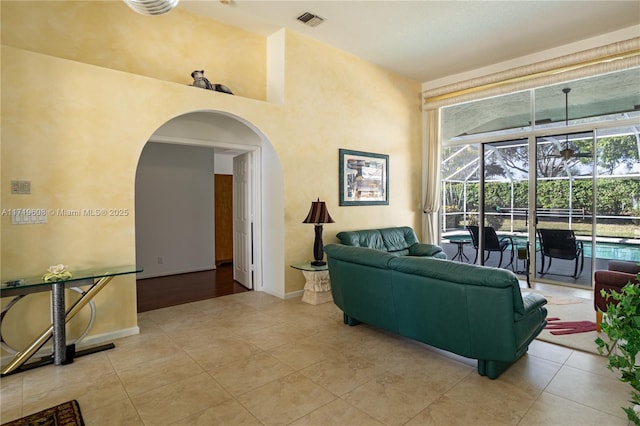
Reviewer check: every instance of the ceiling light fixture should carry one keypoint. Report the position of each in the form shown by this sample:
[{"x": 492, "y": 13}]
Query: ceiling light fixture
[
  {"x": 568, "y": 153},
  {"x": 152, "y": 7}
]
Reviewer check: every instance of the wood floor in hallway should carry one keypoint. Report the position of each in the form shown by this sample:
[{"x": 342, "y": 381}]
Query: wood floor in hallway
[{"x": 171, "y": 290}]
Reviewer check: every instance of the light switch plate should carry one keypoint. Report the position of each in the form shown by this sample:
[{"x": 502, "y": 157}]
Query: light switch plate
[{"x": 21, "y": 187}]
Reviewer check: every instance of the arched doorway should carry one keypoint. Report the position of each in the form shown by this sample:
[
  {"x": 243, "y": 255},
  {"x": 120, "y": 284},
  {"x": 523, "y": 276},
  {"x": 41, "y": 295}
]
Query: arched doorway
[{"x": 193, "y": 142}]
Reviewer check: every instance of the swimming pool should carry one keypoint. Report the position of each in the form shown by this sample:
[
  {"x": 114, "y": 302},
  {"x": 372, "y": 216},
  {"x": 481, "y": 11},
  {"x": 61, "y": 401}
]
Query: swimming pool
[
  {"x": 608, "y": 250},
  {"x": 617, "y": 251}
]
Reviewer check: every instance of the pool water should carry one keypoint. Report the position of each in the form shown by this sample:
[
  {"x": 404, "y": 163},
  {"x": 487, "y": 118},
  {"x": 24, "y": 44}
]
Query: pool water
[{"x": 615, "y": 251}]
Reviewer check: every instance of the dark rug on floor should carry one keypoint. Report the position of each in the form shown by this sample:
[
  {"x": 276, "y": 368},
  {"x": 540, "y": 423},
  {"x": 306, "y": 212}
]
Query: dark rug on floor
[{"x": 66, "y": 414}]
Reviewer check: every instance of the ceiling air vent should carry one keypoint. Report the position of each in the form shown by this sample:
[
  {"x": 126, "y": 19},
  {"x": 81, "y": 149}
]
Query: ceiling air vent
[{"x": 310, "y": 19}]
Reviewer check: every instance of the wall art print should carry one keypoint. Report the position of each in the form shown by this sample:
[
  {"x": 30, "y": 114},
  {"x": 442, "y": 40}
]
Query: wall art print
[{"x": 364, "y": 178}]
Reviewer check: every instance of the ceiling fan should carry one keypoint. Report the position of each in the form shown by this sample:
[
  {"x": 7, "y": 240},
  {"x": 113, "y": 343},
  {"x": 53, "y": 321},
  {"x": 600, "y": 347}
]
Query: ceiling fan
[{"x": 568, "y": 153}]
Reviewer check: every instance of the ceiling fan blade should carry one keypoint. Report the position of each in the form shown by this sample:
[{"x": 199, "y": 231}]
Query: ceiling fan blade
[{"x": 569, "y": 153}]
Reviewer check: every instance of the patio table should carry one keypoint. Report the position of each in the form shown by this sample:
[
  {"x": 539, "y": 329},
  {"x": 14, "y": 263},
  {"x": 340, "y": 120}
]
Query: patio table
[{"x": 460, "y": 252}]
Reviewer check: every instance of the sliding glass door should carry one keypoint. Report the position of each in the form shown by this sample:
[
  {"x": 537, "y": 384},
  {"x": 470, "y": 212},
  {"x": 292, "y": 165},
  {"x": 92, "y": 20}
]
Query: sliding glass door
[
  {"x": 617, "y": 202},
  {"x": 565, "y": 173},
  {"x": 586, "y": 208},
  {"x": 561, "y": 160},
  {"x": 505, "y": 210}
]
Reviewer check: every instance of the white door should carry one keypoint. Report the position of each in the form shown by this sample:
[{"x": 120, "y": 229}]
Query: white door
[{"x": 242, "y": 220}]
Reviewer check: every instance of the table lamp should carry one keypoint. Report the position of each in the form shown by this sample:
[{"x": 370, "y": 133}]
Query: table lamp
[{"x": 318, "y": 214}]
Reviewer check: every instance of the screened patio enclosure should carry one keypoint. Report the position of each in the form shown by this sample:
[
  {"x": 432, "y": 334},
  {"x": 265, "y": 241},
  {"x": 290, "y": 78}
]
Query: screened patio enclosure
[{"x": 577, "y": 169}]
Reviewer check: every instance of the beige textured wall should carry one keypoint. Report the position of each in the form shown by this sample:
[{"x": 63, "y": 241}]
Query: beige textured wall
[
  {"x": 336, "y": 100},
  {"x": 76, "y": 131},
  {"x": 79, "y": 145},
  {"x": 167, "y": 47}
]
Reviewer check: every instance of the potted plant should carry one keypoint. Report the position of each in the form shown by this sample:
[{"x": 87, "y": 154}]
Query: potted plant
[{"x": 622, "y": 326}]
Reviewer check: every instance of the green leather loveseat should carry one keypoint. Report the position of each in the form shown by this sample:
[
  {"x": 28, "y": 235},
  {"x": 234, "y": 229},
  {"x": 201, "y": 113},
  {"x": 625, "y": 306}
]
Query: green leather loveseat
[
  {"x": 399, "y": 241},
  {"x": 474, "y": 311}
]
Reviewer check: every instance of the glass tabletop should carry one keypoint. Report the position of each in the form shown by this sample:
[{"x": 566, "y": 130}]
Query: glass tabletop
[
  {"x": 309, "y": 267},
  {"x": 85, "y": 274}
]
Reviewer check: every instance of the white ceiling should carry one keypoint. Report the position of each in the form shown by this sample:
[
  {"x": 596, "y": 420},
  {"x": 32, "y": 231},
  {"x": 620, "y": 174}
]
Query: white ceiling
[{"x": 428, "y": 40}]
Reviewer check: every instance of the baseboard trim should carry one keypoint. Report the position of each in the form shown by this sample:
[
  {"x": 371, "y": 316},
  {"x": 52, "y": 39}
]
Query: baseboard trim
[
  {"x": 294, "y": 294},
  {"x": 99, "y": 339},
  {"x": 87, "y": 342},
  {"x": 142, "y": 275}
]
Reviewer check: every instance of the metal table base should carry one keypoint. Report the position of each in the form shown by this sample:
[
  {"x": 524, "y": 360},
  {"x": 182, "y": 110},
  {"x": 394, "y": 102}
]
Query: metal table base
[{"x": 62, "y": 353}]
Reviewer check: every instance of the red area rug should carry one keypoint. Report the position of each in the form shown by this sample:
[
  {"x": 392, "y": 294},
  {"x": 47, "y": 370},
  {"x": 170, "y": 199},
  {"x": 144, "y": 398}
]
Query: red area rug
[
  {"x": 569, "y": 327},
  {"x": 569, "y": 324},
  {"x": 66, "y": 414}
]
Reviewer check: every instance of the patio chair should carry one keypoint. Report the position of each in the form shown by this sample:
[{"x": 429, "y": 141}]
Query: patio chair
[
  {"x": 560, "y": 244},
  {"x": 491, "y": 243}
]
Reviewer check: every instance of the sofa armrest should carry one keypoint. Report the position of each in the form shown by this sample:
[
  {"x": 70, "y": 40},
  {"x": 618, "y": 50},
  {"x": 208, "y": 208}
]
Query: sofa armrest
[
  {"x": 424, "y": 249},
  {"x": 532, "y": 302},
  {"x": 624, "y": 266},
  {"x": 610, "y": 279}
]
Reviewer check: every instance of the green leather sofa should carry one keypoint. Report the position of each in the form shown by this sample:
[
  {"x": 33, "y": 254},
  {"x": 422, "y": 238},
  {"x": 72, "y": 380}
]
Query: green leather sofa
[
  {"x": 474, "y": 311},
  {"x": 399, "y": 241}
]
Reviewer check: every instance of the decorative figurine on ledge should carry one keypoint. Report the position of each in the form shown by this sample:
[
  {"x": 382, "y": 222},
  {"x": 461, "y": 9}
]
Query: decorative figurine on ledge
[
  {"x": 57, "y": 273},
  {"x": 199, "y": 80}
]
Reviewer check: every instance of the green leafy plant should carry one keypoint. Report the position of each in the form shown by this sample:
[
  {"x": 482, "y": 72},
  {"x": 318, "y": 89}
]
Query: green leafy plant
[{"x": 622, "y": 326}]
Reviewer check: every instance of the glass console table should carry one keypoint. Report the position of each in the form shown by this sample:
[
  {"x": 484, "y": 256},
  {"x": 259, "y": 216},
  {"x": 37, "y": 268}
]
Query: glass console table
[{"x": 96, "y": 279}]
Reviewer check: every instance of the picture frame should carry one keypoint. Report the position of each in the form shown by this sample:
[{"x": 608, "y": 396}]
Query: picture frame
[{"x": 364, "y": 178}]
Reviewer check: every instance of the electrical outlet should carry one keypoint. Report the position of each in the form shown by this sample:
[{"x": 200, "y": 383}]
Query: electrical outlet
[
  {"x": 160, "y": 260},
  {"x": 27, "y": 216}
]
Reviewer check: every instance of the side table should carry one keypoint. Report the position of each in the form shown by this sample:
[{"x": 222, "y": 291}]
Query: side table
[
  {"x": 522, "y": 251},
  {"x": 317, "y": 288},
  {"x": 460, "y": 256}
]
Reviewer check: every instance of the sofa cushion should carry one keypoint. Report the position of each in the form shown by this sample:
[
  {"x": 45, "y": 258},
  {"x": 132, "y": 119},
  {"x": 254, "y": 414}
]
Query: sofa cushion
[
  {"x": 370, "y": 238},
  {"x": 359, "y": 255},
  {"x": 449, "y": 271},
  {"x": 424, "y": 249},
  {"x": 398, "y": 239}
]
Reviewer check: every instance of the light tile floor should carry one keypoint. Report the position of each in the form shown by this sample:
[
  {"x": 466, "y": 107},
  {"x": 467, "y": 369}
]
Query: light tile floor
[{"x": 253, "y": 359}]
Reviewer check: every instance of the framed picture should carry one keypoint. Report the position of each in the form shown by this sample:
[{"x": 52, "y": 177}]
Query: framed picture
[{"x": 364, "y": 178}]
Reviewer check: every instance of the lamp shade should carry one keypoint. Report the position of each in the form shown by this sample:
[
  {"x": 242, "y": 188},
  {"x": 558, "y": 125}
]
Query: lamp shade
[
  {"x": 152, "y": 7},
  {"x": 318, "y": 213}
]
